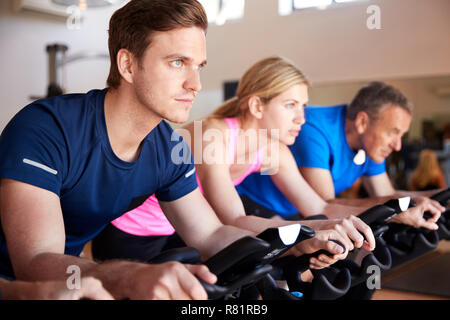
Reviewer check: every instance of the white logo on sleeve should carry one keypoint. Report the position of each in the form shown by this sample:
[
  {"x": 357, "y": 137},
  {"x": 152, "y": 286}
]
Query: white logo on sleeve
[
  {"x": 40, "y": 166},
  {"x": 190, "y": 173}
]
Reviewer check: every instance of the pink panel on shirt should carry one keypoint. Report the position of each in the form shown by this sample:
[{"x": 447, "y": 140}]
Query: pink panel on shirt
[{"x": 146, "y": 220}]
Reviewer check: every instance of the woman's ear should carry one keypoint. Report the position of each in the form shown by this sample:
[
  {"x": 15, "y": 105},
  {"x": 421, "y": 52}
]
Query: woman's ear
[
  {"x": 362, "y": 121},
  {"x": 125, "y": 63},
  {"x": 255, "y": 107}
]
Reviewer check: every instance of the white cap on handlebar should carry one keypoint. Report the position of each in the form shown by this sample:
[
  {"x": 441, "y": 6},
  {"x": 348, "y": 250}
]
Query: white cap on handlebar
[
  {"x": 288, "y": 234},
  {"x": 403, "y": 203}
]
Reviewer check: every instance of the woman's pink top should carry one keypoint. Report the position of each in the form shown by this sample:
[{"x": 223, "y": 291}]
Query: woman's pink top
[{"x": 149, "y": 220}]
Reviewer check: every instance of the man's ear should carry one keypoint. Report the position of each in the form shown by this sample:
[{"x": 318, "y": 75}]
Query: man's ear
[
  {"x": 362, "y": 121},
  {"x": 125, "y": 61},
  {"x": 256, "y": 107}
]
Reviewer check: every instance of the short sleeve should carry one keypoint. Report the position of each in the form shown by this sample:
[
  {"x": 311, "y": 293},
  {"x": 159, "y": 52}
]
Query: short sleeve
[
  {"x": 178, "y": 177},
  {"x": 311, "y": 148},
  {"x": 374, "y": 168},
  {"x": 32, "y": 149}
]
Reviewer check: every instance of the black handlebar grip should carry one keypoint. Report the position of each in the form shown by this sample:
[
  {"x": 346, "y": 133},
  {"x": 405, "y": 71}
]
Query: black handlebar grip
[
  {"x": 394, "y": 204},
  {"x": 273, "y": 235},
  {"x": 243, "y": 254},
  {"x": 442, "y": 197},
  {"x": 183, "y": 255},
  {"x": 377, "y": 214},
  {"x": 302, "y": 263},
  {"x": 215, "y": 291},
  {"x": 326, "y": 252},
  {"x": 280, "y": 244}
]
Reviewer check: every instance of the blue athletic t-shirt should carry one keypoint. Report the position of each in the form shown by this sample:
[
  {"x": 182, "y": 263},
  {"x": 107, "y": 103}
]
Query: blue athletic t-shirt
[
  {"x": 61, "y": 145},
  {"x": 322, "y": 143}
]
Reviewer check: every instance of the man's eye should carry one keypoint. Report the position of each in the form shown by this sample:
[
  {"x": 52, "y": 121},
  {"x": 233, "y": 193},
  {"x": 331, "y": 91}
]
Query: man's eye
[
  {"x": 393, "y": 133},
  {"x": 290, "y": 105},
  {"x": 176, "y": 63}
]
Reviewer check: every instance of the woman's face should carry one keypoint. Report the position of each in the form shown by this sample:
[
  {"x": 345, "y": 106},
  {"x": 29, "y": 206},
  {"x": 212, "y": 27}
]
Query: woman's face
[{"x": 286, "y": 113}]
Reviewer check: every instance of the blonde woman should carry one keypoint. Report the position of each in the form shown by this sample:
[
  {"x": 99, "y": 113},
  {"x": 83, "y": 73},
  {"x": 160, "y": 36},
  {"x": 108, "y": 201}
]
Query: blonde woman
[
  {"x": 248, "y": 133},
  {"x": 428, "y": 175}
]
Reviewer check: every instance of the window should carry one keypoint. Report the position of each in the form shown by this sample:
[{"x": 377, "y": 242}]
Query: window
[
  {"x": 302, "y": 4},
  {"x": 285, "y": 7},
  {"x": 221, "y": 11}
]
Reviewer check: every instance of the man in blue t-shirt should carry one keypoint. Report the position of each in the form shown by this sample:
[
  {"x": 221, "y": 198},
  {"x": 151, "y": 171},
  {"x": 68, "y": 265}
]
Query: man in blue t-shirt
[
  {"x": 339, "y": 144},
  {"x": 71, "y": 164}
]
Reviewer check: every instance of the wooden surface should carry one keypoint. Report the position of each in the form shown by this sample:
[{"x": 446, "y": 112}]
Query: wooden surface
[{"x": 389, "y": 294}]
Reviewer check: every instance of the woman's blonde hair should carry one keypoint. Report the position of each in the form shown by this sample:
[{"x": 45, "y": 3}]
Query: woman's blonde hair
[
  {"x": 427, "y": 171},
  {"x": 266, "y": 79}
]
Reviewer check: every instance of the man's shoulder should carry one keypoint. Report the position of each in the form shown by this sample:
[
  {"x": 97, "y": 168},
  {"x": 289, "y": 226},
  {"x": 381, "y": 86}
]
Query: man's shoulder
[
  {"x": 63, "y": 121},
  {"x": 66, "y": 108},
  {"x": 318, "y": 112},
  {"x": 325, "y": 119}
]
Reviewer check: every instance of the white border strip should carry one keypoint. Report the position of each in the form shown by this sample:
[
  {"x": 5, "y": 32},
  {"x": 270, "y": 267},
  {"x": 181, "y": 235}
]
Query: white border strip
[{"x": 40, "y": 166}]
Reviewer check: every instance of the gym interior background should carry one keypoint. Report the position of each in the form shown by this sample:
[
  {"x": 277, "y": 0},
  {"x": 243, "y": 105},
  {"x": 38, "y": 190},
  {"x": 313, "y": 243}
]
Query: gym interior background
[{"x": 333, "y": 45}]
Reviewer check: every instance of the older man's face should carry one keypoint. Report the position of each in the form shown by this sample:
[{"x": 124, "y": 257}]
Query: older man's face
[{"x": 384, "y": 134}]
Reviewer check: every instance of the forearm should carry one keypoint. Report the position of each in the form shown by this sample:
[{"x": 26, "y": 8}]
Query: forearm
[
  {"x": 337, "y": 210},
  {"x": 413, "y": 194},
  {"x": 257, "y": 224},
  {"x": 363, "y": 203},
  {"x": 20, "y": 290},
  {"x": 397, "y": 194},
  {"x": 11, "y": 290},
  {"x": 115, "y": 275},
  {"x": 50, "y": 266},
  {"x": 219, "y": 239},
  {"x": 331, "y": 208}
]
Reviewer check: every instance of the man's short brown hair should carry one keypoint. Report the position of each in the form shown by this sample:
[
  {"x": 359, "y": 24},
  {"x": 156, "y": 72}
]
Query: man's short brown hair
[
  {"x": 373, "y": 97},
  {"x": 131, "y": 26}
]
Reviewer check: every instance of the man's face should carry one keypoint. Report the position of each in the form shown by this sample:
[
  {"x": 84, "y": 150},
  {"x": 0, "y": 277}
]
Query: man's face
[
  {"x": 168, "y": 76},
  {"x": 383, "y": 135}
]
